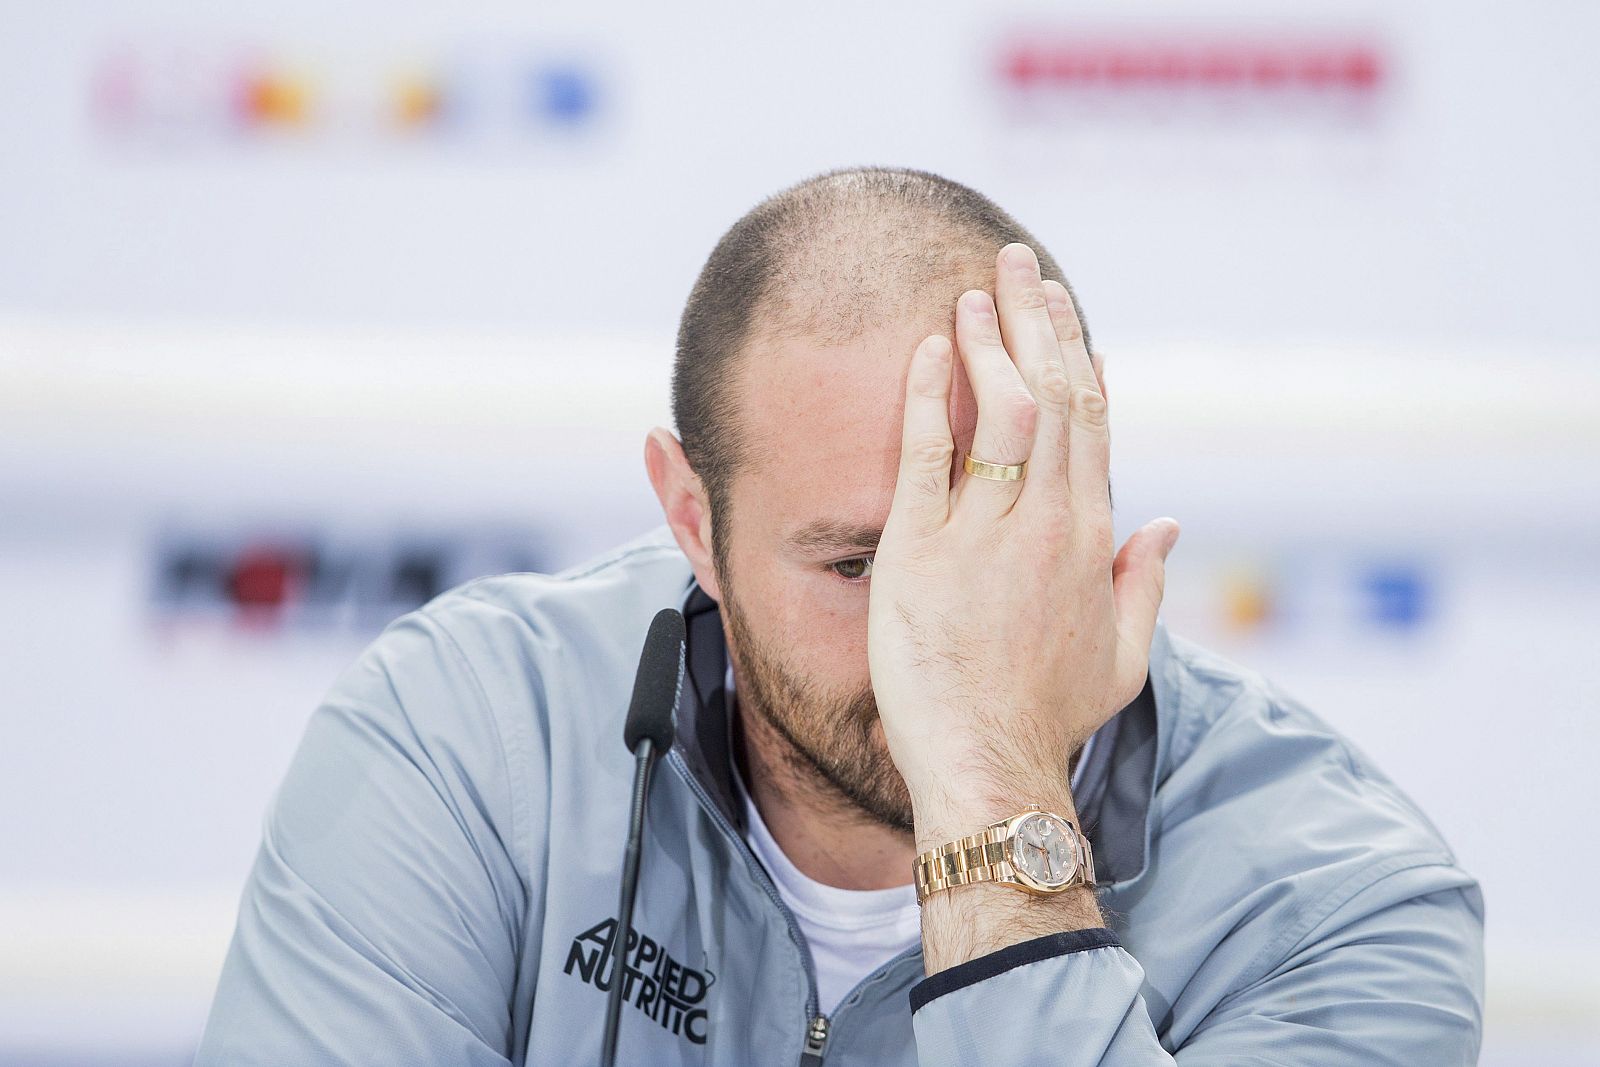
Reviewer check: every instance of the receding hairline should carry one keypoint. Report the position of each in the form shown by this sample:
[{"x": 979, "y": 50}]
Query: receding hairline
[
  {"x": 807, "y": 304},
  {"x": 825, "y": 260}
]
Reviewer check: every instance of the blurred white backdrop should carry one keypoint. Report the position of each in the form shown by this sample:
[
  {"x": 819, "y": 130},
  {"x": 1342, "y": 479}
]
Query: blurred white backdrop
[{"x": 303, "y": 311}]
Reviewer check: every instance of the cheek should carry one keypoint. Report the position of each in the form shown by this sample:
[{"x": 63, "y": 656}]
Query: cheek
[
  {"x": 820, "y": 626},
  {"x": 824, "y": 623},
  {"x": 813, "y": 621}
]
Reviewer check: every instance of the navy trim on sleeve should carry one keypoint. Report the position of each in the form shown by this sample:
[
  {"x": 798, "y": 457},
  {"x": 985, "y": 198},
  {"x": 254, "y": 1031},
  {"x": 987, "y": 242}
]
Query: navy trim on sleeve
[{"x": 998, "y": 962}]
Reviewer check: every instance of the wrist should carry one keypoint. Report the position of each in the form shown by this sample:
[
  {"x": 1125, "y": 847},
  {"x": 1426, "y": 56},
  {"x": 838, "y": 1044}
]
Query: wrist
[
  {"x": 975, "y": 901},
  {"x": 941, "y": 817}
]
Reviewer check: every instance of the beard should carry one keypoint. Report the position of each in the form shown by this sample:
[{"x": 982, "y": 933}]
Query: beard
[{"x": 833, "y": 740}]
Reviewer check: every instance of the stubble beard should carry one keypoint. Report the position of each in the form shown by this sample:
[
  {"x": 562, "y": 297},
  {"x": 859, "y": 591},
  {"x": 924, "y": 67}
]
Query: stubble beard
[{"x": 831, "y": 740}]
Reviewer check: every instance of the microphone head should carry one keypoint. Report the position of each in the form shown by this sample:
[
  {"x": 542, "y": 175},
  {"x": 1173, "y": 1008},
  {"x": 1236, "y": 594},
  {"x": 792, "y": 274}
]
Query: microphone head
[{"x": 653, "y": 713}]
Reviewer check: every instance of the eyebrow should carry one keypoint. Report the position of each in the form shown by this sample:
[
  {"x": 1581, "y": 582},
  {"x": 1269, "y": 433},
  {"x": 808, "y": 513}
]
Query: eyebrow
[{"x": 832, "y": 534}]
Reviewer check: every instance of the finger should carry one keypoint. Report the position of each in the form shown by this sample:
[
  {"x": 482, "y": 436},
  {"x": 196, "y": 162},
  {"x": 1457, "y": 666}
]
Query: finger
[
  {"x": 1048, "y": 480},
  {"x": 1089, "y": 438},
  {"x": 1138, "y": 579},
  {"x": 1098, "y": 358},
  {"x": 1007, "y": 411},
  {"x": 1099, "y": 361},
  {"x": 1057, "y": 452},
  {"x": 1028, "y": 331},
  {"x": 922, "y": 487},
  {"x": 1026, "y": 327},
  {"x": 1069, "y": 335}
]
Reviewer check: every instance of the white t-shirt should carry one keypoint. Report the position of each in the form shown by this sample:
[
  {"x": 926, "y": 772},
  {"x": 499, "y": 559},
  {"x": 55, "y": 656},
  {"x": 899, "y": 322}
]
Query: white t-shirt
[{"x": 851, "y": 932}]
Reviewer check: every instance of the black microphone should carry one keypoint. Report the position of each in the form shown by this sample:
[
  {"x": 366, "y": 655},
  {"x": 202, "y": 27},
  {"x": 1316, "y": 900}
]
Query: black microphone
[{"x": 651, "y": 725}]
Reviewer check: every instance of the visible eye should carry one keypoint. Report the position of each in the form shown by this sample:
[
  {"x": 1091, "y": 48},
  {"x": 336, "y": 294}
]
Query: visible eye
[{"x": 855, "y": 569}]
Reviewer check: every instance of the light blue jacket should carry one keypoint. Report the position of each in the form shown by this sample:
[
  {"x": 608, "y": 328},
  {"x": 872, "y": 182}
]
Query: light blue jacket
[{"x": 438, "y": 873}]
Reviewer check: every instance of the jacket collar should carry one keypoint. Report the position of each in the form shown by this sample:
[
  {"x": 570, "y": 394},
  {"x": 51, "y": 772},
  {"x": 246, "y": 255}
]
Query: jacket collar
[
  {"x": 705, "y": 729},
  {"x": 1118, "y": 784}
]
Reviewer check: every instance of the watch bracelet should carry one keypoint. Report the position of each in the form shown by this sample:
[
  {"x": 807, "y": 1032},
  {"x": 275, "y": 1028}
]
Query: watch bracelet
[{"x": 983, "y": 857}]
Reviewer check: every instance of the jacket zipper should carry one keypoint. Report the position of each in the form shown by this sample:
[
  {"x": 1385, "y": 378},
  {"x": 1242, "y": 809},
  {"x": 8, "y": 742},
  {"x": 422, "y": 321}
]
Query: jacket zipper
[
  {"x": 816, "y": 1042},
  {"x": 818, "y": 1026},
  {"x": 816, "y": 1022}
]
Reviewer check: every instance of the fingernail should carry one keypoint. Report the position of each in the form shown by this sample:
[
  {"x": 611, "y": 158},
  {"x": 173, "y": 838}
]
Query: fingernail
[
  {"x": 1055, "y": 295},
  {"x": 1019, "y": 256},
  {"x": 978, "y": 302},
  {"x": 1169, "y": 533}
]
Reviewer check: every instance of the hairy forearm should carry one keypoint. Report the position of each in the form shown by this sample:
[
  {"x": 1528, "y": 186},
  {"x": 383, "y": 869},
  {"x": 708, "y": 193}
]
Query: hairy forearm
[
  {"x": 974, "y": 920},
  {"x": 967, "y": 921}
]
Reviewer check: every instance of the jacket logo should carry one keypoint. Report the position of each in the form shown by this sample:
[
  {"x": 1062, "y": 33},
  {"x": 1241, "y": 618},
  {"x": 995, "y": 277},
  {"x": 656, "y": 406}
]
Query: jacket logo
[{"x": 652, "y": 981}]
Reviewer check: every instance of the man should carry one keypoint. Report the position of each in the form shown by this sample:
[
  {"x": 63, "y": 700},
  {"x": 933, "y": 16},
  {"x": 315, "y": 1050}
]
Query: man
[{"x": 945, "y": 791}]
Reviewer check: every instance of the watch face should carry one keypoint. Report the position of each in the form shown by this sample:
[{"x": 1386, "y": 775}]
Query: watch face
[{"x": 1042, "y": 849}]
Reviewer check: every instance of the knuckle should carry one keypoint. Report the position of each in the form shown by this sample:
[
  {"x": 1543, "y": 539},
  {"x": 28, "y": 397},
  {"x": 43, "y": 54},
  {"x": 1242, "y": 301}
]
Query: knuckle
[
  {"x": 1029, "y": 298},
  {"x": 1021, "y": 412},
  {"x": 931, "y": 451},
  {"x": 1051, "y": 385},
  {"x": 1060, "y": 299},
  {"x": 1068, "y": 331},
  {"x": 1088, "y": 406}
]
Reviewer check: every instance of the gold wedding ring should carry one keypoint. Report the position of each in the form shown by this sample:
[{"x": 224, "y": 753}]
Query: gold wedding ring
[{"x": 997, "y": 472}]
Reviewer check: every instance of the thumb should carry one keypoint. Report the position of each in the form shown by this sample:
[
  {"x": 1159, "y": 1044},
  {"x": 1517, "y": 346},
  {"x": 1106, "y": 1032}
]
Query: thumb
[{"x": 1138, "y": 580}]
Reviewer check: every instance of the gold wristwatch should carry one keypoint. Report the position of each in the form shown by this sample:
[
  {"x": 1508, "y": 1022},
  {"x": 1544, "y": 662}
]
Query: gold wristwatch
[{"x": 1034, "y": 850}]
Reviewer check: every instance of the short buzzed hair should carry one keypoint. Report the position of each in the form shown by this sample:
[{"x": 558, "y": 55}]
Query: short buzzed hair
[{"x": 820, "y": 259}]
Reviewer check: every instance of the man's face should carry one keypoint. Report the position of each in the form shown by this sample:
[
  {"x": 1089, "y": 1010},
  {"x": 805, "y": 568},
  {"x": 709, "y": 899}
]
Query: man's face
[{"x": 825, "y": 424}]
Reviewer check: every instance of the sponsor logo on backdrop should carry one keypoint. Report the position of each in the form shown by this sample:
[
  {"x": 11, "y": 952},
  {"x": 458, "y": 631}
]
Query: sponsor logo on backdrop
[
  {"x": 1190, "y": 77},
  {"x": 187, "y": 95},
  {"x": 310, "y": 580}
]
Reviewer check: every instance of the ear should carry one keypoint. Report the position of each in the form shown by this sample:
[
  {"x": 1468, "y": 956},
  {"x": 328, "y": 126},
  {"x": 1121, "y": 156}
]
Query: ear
[{"x": 684, "y": 503}]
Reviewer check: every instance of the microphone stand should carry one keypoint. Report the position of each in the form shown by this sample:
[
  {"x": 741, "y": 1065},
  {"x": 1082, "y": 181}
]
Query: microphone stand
[
  {"x": 645, "y": 756},
  {"x": 648, "y": 732}
]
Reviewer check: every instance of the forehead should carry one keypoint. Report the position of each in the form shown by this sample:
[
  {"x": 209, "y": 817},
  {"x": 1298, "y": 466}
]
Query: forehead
[{"x": 824, "y": 421}]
